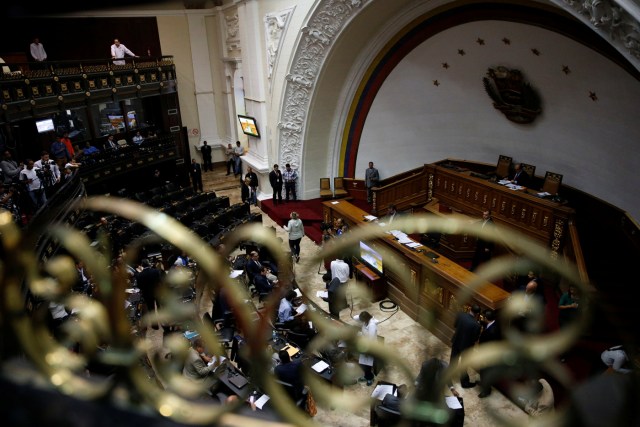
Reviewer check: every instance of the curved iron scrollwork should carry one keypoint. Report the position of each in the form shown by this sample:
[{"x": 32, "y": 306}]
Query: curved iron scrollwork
[{"x": 525, "y": 350}]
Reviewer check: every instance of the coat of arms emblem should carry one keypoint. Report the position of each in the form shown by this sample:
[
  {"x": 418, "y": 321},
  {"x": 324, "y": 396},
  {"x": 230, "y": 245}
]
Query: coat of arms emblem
[{"x": 514, "y": 97}]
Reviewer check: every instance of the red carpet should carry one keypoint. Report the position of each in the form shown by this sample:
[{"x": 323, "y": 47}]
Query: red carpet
[{"x": 310, "y": 212}]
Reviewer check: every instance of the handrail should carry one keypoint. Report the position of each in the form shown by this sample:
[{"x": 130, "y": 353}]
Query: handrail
[{"x": 574, "y": 252}]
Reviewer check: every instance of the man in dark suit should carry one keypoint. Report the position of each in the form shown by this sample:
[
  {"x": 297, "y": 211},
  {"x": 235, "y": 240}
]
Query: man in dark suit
[
  {"x": 261, "y": 282},
  {"x": 484, "y": 248},
  {"x": 520, "y": 177},
  {"x": 467, "y": 332},
  {"x": 195, "y": 171},
  {"x": 291, "y": 373},
  {"x": 148, "y": 281},
  {"x": 206, "y": 156},
  {"x": 275, "y": 179},
  {"x": 490, "y": 332}
]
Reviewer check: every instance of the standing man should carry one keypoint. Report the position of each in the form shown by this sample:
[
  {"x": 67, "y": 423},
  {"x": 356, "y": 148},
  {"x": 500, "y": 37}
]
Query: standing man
[
  {"x": 230, "y": 158},
  {"x": 206, "y": 156},
  {"x": 484, "y": 248},
  {"x": 37, "y": 50},
  {"x": 148, "y": 281},
  {"x": 196, "y": 175},
  {"x": 275, "y": 179},
  {"x": 10, "y": 168},
  {"x": 59, "y": 152},
  {"x": 237, "y": 152},
  {"x": 118, "y": 51},
  {"x": 253, "y": 185},
  {"x": 490, "y": 332},
  {"x": 33, "y": 184},
  {"x": 371, "y": 178},
  {"x": 467, "y": 332},
  {"x": 290, "y": 177}
]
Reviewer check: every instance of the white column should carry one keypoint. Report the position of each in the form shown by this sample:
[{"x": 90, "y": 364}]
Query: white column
[{"x": 203, "y": 80}]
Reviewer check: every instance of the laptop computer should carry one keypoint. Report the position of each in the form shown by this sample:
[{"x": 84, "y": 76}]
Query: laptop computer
[{"x": 238, "y": 381}]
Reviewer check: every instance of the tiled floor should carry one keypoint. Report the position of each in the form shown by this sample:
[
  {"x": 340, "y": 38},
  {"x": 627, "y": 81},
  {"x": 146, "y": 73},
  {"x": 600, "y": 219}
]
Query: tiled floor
[{"x": 401, "y": 334}]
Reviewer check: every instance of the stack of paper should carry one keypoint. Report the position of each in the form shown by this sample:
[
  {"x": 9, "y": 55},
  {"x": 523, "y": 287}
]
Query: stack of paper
[
  {"x": 261, "y": 401},
  {"x": 382, "y": 390},
  {"x": 320, "y": 366},
  {"x": 370, "y": 217}
]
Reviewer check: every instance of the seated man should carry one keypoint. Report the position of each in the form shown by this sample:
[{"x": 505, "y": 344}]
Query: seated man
[
  {"x": 254, "y": 266},
  {"x": 520, "y": 177},
  {"x": 286, "y": 313},
  {"x": 290, "y": 373},
  {"x": 387, "y": 412},
  {"x": 199, "y": 367},
  {"x": 262, "y": 283}
]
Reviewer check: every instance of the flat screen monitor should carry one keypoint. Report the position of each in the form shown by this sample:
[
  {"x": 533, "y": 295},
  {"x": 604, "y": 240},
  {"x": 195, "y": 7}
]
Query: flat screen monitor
[
  {"x": 116, "y": 121},
  {"x": 249, "y": 126},
  {"x": 371, "y": 257},
  {"x": 45, "y": 125},
  {"x": 132, "y": 121}
]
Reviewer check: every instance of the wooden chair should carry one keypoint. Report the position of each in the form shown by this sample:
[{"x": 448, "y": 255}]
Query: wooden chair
[
  {"x": 325, "y": 188},
  {"x": 552, "y": 182},
  {"x": 529, "y": 169},
  {"x": 338, "y": 187},
  {"x": 504, "y": 166}
]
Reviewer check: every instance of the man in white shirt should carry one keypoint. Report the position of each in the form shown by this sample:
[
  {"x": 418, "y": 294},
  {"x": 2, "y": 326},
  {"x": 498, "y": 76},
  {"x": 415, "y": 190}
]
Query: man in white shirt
[
  {"x": 118, "y": 51},
  {"x": 33, "y": 183},
  {"x": 37, "y": 51},
  {"x": 238, "y": 151}
]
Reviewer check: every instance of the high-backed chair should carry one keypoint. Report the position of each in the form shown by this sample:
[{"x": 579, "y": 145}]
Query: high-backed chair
[
  {"x": 529, "y": 169},
  {"x": 325, "y": 188},
  {"x": 552, "y": 182},
  {"x": 338, "y": 187},
  {"x": 504, "y": 166}
]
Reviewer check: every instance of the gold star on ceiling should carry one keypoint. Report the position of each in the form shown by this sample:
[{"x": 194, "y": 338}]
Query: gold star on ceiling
[
  {"x": 461, "y": 52},
  {"x": 480, "y": 41},
  {"x": 445, "y": 65},
  {"x": 566, "y": 69},
  {"x": 436, "y": 83},
  {"x": 593, "y": 96},
  {"x": 535, "y": 51},
  {"x": 506, "y": 41}
]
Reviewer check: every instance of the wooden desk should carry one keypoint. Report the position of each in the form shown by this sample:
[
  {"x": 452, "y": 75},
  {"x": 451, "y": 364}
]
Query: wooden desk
[
  {"x": 432, "y": 285},
  {"x": 374, "y": 282},
  {"x": 543, "y": 220}
]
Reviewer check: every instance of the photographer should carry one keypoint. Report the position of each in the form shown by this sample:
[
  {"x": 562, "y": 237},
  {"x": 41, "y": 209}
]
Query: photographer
[
  {"x": 47, "y": 171},
  {"x": 34, "y": 185}
]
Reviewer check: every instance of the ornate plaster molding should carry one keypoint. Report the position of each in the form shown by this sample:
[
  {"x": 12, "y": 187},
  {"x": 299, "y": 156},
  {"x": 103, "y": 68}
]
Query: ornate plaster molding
[
  {"x": 325, "y": 23},
  {"x": 232, "y": 31},
  {"x": 275, "y": 25},
  {"x": 612, "y": 21}
]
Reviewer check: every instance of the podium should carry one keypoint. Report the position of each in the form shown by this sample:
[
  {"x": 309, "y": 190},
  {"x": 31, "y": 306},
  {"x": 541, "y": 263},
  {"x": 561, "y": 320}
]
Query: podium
[{"x": 374, "y": 282}]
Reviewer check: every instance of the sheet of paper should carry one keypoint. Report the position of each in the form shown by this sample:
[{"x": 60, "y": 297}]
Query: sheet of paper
[
  {"x": 298, "y": 293},
  {"x": 544, "y": 194},
  {"x": 301, "y": 308},
  {"x": 261, "y": 401},
  {"x": 334, "y": 203},
  {"x": 504, "y": 182},
  {"x": 381, "y": 391},
  {"x": 370, "y": 217},
  {"x": 453, "y": 402},
  {"x": 322, "y": 294},
  {"x": 235, "y": 273},
  {"x": 320, "y": 366}
]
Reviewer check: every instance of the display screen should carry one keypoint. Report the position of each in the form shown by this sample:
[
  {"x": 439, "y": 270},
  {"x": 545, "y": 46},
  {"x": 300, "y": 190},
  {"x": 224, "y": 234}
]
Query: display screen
[
  {"x": 371, "y": 257},
  {"x": 45, "y": 125},
  {"x": 116, "y": 121},
  {"x": 249, "y": 126},
  {"x": 132, "y": 121}
]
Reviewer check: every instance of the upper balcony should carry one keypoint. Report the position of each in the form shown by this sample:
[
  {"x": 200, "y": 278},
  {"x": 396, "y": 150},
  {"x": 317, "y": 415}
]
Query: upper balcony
[{"x": 29, "y": 89}]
